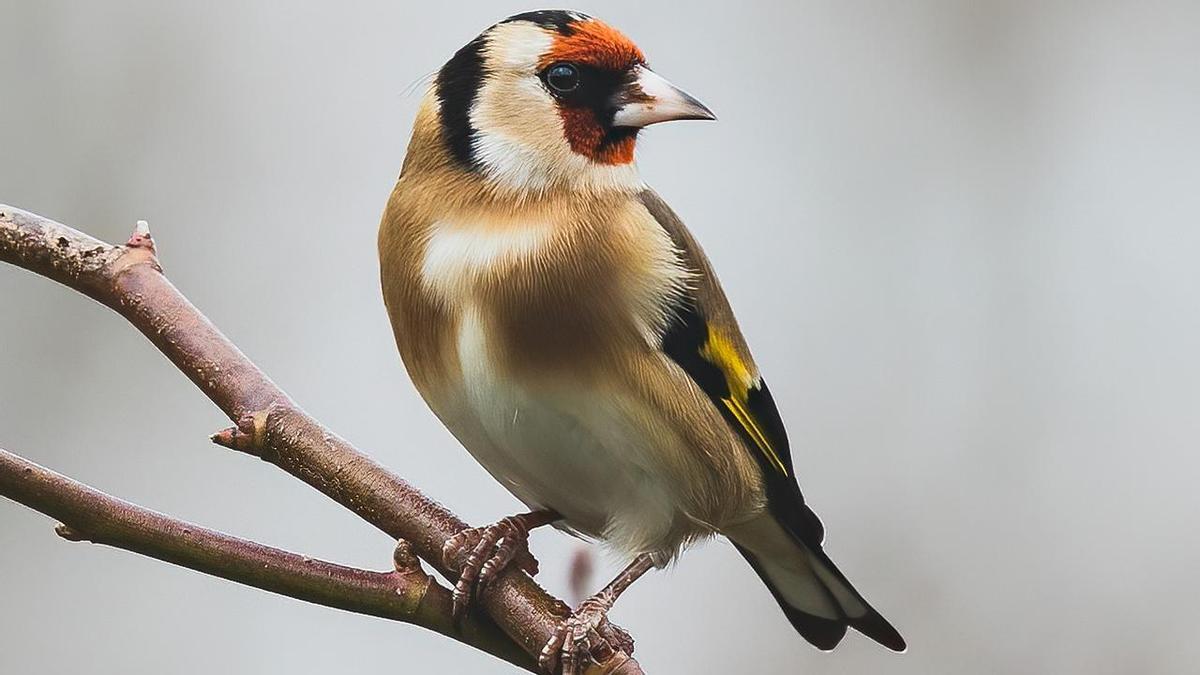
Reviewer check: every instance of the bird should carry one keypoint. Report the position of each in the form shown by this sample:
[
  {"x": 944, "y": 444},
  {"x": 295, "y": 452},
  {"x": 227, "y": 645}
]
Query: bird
[{"x": 560, "y": 320}]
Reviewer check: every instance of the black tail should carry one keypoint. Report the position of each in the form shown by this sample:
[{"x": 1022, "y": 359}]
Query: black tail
[{"x": 815, "y": 596}]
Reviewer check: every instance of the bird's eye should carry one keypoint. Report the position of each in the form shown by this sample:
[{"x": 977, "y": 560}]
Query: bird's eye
[{"x": 562, "y": 77}]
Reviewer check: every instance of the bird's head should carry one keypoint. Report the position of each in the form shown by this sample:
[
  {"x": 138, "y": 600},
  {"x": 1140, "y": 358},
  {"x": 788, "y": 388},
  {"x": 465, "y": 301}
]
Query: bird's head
[{"x": 552, "y": 99}]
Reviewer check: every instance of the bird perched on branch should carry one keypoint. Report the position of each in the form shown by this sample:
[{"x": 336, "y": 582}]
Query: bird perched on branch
[{"x": 566, "y": 327}]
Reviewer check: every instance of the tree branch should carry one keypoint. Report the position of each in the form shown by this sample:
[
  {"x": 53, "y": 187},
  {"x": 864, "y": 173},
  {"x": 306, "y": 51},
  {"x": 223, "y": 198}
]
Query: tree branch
[
  {"x": 406, "y": 594},
  {"x": 129, "y": 280}
]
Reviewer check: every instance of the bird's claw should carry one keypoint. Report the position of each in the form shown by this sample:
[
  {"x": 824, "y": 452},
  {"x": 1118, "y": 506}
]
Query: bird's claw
[
  {"x": 492, "y": 549},
  {"x": 585, "y": 635}
]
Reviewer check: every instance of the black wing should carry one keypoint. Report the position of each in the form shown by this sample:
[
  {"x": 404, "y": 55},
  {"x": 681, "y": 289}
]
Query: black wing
[{"x": 748, "y": 408}]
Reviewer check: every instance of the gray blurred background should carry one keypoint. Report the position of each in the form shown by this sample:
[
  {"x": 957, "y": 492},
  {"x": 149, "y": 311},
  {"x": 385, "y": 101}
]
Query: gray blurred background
[{"x": 961, "y": 236}]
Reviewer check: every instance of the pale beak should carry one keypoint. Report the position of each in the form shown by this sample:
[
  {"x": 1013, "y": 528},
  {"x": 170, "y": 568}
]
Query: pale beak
[{"x": 649, "y": 98}]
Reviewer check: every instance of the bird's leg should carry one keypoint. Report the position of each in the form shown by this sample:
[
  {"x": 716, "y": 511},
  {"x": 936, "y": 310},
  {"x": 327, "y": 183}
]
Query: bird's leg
[
  {"x": 492, "y": 549},
  {"x": 573, "y": 640}
]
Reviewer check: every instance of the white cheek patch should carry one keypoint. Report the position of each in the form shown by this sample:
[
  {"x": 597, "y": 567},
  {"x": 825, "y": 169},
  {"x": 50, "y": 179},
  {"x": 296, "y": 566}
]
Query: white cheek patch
[
  {"x": 519, "y": 135},
  {"x": 459, "y": 257}
]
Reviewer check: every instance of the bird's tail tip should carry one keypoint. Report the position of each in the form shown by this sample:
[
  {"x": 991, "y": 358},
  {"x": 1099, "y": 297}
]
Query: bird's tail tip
[
  {"x": 816, "y": 597},
  {"x": 873, "y": 625}
]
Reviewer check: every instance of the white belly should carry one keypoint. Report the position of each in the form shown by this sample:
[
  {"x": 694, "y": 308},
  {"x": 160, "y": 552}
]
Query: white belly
[{"x": 576, "y": 450}]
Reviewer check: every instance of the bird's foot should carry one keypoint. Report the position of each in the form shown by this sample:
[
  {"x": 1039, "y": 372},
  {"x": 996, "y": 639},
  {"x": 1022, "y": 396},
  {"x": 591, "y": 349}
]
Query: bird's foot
[
  {"x": 585, "y": 635},
  {"x": 492, "y": 549}
]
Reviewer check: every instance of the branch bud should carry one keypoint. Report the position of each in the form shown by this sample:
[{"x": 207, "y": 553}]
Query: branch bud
[{"x": 404, "y": 559}]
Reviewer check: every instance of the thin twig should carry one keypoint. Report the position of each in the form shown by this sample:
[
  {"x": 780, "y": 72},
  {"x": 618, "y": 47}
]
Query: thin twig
[
  {"x": 129, "y": 280},
  {"x": 406, "y": 593}
]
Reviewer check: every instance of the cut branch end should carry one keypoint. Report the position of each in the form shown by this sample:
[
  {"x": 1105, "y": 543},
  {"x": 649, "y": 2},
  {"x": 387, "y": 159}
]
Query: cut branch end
[
  {"x": 141, "y": 237},
  {"x": 69, "y": 533}
]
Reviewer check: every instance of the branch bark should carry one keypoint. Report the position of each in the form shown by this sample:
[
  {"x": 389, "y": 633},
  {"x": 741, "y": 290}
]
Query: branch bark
[
  {"x": 128, "y": 279},
  {"x": 405, "y": 594}
]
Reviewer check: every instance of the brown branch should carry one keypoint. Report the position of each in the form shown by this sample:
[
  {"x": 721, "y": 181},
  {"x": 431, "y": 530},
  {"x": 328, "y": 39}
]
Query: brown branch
[
  {"x": 405, "y": 594},
  {"x": 129, "y": 280}
]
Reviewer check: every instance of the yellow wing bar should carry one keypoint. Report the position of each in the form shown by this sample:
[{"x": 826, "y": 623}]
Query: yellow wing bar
[
  {"x": 746, "y": 419},
  {"x": 720, "y": 352}
]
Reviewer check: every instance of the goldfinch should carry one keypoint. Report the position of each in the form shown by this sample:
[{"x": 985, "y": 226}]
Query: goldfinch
[{"x": 561, "y": 321}]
